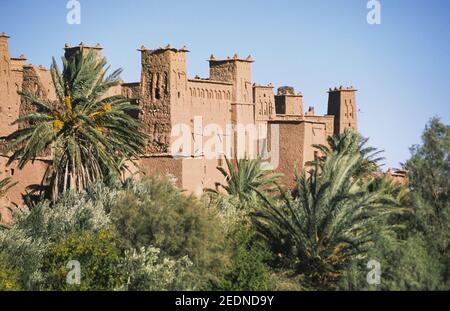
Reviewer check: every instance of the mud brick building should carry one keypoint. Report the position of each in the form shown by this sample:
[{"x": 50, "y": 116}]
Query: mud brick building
[{"x": 167, "y": 97}]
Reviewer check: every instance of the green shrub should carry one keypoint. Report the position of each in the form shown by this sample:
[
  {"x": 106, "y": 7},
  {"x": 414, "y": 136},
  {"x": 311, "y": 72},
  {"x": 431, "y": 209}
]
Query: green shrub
[
  {"x": 23, "y": 254},
  {"x": 98, "y": 257},
  {"x": 405, "y": 265},
  {"x": 155, "y": 213},
  {"x": 147, "y": 270},
  {"x": 248, "y": 270},
  {"x": 25, "y": 244},
  {"x": 74, "y": 212},
  {"x": 8, "y": 277}
]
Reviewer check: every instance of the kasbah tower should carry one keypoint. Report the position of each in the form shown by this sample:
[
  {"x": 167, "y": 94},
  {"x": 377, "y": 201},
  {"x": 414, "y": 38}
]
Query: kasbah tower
[{"x": 167, "y": 97}]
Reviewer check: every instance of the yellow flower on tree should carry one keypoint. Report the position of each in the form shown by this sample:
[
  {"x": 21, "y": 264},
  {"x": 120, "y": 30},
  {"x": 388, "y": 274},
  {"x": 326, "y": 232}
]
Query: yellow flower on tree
[
  {"x": 100, "y": 129},
  {"x": 68, "y": 102},
  {"x": 58, "y": 124},
  {"x": 107, "y": 108}
]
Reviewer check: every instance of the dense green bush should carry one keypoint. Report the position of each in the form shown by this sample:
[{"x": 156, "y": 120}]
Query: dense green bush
[
  {"x": 8, "y": 277},
  {"x": 147, "y": 270},
  {"x": 405, "y": 265},
  {"x": 24, "y": 245},
  {"x": 247, "y": 270},
  {"x": 429, "y": 174},
  {"x": 155, "y": 213},
  {"x": 97, "y": 254},
  {"x": 151, "y": 213},
  {"x": 23, "y": 254}
]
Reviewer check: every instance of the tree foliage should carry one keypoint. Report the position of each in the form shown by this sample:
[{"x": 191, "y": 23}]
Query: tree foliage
[
  {"x": 146, "y": 234},
  {"x": 429, "y": 177},
  {"x": 88, "y": 133},
  {"x": 248, "y": 269},
  {"x": 429, "y": 166},
  {"x": 97, "y": 254},
  {"x": 8, "y": 277},
  {"x": 24, "y": 246},
  {"x": 155, "y": 213},
  {"x": 146, "y": 269},
  {"x": 247, "y": 178},
  {"x": 329, "y": 221}
]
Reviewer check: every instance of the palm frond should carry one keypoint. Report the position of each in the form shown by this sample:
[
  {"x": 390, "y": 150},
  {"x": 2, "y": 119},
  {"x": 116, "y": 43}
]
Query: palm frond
[
  {"x": 329, "y": 219},
  {"x": 88, "y": 133}
]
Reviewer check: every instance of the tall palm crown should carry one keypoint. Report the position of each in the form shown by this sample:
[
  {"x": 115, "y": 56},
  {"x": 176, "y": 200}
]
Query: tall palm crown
[
  {"x": 331, "y": 217},
  {"x": 88, "y": 133},
  {"x": 247, "y": 178},
  {"x": 350, "y": 142}
]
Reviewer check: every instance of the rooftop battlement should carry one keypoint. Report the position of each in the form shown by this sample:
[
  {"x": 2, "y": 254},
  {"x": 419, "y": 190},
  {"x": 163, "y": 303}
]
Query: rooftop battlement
[
  {"x": 342, "y": 89},
  {"x": 235, "y": 58},
  {"x": 168, "y": 47}
]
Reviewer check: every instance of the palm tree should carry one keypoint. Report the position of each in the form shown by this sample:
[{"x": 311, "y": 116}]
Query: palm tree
[
  {"x": 351, "y": 142},
  {"x": 247, "y": 179},
  {"x": 88, "y": 133},
  {"x": 329, "y": 220}
]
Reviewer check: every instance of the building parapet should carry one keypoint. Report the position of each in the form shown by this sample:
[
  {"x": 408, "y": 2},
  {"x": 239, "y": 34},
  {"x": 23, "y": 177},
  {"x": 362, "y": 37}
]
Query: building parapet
[
  {"x": 236, "y": 57},
  {"x": 168, "y": 47},
  {"x": 268, "y": 86},
  {"x": 342, "y": 89},
  {"x": 302, "y": 118},
  {"x": 209, "y": 81}
]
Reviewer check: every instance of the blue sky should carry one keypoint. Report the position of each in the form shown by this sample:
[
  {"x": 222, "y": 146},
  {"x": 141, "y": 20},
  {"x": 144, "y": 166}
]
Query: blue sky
[{"x": 400, "y": 67}]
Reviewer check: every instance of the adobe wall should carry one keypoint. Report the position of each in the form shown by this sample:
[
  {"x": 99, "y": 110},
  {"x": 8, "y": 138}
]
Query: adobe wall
[
  {"x": 200, "y": 174},
  {"x": 209, "y": 100},
  {"x": 327, "y": 120},
  {"x": 36, "y": 81},
  {"x": 5, "y": 211},
  {"x": 155, "y": 101},
  {"x": 297, "y": 137},
  {"x": 192, "y": 174},
  {"x": 9, "y": 83},
  {"x": 315, "y": 134},
  {"x": 132, "y": 91},
  {"x": 287, "y": 102},
  {"x": 31, "y": 174},
  {"x": 264, "y": 100},
  {"x": 342, "y": 104},
  {"x": 291, "y": 149},
  {"x": 167, "y": 97},
  {"x": 398, "y": 176},
  {"x": 16, "y": 76},
  {"x": 163, "y": 165},
  {"x": 238, "y": 72}
]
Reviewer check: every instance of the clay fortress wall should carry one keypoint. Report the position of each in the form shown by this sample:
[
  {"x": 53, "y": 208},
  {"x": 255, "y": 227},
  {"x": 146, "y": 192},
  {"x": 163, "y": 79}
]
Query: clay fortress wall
[{"x": 167, "y": 97}]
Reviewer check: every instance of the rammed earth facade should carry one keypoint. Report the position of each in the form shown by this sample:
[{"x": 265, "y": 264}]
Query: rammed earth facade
[{"x": 167, "y": 98}]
